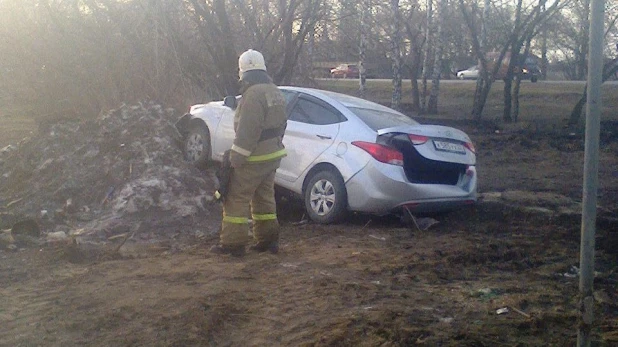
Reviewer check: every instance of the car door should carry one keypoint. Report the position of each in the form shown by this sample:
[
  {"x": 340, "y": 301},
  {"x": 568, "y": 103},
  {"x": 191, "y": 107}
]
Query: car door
[
  {"x": 312, "y": 128},
  {"x": 223, "y": 135}
]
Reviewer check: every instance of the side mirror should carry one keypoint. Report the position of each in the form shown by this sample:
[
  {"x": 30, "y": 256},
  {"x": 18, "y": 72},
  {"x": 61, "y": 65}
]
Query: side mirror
[{"x": 230, "y": 101}]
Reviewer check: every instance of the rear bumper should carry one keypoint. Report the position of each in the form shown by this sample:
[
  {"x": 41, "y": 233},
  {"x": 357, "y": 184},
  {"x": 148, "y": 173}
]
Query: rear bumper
[{"x": 382, "y": 188}]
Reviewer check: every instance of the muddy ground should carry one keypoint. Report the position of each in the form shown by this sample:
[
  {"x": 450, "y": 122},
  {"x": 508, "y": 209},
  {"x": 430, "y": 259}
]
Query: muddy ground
[{"x": 148, "y": 280}]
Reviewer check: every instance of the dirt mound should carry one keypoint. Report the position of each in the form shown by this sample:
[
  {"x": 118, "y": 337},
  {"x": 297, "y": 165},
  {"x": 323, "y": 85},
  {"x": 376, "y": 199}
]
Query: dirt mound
[{"x": 99, "y": 177}]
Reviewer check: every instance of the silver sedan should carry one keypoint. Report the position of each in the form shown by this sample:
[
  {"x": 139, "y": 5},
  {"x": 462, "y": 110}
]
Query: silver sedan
[
  {"x": 470, "y": 73},
  {"x": 349, "y": 154}
]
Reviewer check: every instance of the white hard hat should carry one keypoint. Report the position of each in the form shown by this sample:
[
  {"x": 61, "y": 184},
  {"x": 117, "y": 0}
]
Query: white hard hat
[{"x": 250, "y": 60}]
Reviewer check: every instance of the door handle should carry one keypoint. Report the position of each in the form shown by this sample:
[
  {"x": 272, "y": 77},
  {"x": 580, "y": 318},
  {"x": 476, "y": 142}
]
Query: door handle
[{"x": 324, "y": 137}]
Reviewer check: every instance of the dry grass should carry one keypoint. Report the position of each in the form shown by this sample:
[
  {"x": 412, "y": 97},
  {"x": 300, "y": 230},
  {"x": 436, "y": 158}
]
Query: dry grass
[
  {"x": 13, "y": 128},
  {"x": 542, "y": 104},
  {"x": 539, "y": 102}
]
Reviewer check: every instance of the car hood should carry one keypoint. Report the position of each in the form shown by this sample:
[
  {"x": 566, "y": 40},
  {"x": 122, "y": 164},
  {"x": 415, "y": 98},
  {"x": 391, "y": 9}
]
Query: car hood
[
  {"x": 436, "y": 132},
  {"x": 200, "y": 106}
]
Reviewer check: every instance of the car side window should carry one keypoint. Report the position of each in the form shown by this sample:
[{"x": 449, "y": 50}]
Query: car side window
[
  {"x": 290, "y": 97},
  {"x": 308, "y": 111}
]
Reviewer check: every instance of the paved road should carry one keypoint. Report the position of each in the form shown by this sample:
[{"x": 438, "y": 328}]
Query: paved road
[{"x": 613, "y": 83}]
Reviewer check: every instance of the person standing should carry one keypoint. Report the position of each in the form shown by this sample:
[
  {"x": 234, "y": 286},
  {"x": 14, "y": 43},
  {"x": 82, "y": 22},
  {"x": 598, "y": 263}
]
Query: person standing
[{"x": 259, "y": 122}]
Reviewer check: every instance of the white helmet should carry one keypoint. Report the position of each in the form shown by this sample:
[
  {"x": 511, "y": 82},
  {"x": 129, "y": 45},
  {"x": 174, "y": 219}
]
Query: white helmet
[{"x": 250, "y": 60}]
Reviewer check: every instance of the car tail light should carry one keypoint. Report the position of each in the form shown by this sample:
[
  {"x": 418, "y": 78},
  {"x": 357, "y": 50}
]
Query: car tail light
[
  {"x": 469, "y": 171},
  {"x": 418, "y": 139},
  {"x": 381, "y": 153},
  {"x": 470, "y": 146}
]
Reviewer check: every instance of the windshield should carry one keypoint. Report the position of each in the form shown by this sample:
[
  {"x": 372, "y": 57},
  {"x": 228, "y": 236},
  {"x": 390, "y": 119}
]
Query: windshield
[{"x": 377, "y": 120}]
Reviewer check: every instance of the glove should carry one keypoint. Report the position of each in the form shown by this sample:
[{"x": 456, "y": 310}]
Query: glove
[{"x": 237, "y": 159}]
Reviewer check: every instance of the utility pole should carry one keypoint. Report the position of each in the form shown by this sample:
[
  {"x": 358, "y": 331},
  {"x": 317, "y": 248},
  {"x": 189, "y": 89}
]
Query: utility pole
[{"x": 591, "y": 173}]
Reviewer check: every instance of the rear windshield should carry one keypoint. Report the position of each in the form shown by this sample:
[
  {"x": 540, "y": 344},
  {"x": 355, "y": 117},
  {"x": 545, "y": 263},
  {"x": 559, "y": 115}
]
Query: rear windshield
[{"x": 377, "y": 120}]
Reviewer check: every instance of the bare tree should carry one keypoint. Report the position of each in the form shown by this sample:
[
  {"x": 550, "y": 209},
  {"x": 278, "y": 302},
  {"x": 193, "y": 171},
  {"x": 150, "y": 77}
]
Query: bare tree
[
  {"x": 427, "y": 59},
  {"x": 362, "y": 46},
  {"x": 517, "y": 84},
  {"x": 582, "y": 13},
  {"x": 415, "y": 37},
  {"x": 485, "y": 79},
  {"x": 524, "y": 27},
  {"x": 396, "y": 54},
  {"x": 610, "y": 70},
  {"x": 432, "y": 106}
]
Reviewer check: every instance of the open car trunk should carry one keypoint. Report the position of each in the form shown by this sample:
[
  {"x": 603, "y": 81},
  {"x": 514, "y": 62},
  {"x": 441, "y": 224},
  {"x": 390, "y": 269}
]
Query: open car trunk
[{"x": 442, "y": 159}]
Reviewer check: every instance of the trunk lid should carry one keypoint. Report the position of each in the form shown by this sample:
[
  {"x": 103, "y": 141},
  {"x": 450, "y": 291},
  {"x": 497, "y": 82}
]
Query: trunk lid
[{"x": 444, "y": 144}]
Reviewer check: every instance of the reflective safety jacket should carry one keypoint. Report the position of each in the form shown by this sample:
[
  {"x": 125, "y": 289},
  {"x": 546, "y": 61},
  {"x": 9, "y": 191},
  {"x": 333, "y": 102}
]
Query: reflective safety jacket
[{"x": 260, "y": 122}]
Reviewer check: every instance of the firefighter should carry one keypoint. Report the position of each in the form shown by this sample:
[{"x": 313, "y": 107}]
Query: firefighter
[{"x": 259, "y": 123}]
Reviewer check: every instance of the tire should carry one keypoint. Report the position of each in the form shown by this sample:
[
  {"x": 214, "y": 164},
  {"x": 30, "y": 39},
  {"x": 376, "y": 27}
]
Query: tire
[
  {"x": 325, "y": 197},
  {"x": 533, "y": 79},
  {"x": 461, "y": 77},
  {"x": 197, "y": 146}
]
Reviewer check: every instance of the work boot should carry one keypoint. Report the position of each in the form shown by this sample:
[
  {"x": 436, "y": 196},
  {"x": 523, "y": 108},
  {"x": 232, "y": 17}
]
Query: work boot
[
  {"x": 260, "y": 247},
  {"x": 235, "y": 251}
]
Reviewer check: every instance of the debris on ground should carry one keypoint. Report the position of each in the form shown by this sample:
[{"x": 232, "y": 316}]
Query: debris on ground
[
  {"x": 104, "y": 174},
  {"x": 502, "y": 310}
]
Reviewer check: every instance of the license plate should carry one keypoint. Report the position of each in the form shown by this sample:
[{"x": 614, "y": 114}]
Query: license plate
[{"x": 449, "y": 147}]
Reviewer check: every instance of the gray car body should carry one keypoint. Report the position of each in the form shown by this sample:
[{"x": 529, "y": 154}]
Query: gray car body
[
  {"x": 372, "y": 186},
  {"x": 470, "y": 73}
]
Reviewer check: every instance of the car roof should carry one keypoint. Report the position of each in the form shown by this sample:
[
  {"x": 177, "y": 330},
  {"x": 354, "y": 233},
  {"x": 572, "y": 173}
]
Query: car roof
[{"x": 344, "y": 99}]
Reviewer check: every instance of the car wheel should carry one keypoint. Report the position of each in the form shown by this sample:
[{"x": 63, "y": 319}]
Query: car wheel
[
  {"x": 533, "y": 79},
  {"x": 326, "y": 197},
  {"x": 461, "y": 77},
  {"x": 197, "y": 146}
]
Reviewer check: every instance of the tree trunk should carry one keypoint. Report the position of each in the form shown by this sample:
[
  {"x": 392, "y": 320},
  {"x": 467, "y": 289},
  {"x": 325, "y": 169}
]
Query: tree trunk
[
  {"x": 362, "y": 72},
  {"x": 308, "y": 76},
  {"x": 480, "y": 94},
  {"x": 516, "y": 87},
  {"x": 427, "y": 59},
  {"x": 508, "y": 85},
  {"x": 579, "y": 107},
  {"x": 582, "y": 52},
  {"x": 609, "y": 69},
  {"x": 432, "y": 107},
  {"x": 416, "y": 101},
  {"x": 515, "y": 100},
  {"x": 396, "y": 55},
  {"x": 228, "y": 54},
  {"x": 544, "y": 63}
]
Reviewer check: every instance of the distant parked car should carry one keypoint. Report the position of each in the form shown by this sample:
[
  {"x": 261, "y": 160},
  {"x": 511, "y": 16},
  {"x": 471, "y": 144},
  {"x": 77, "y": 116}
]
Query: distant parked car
[
  {"x": 530, "y": 72},
  {"x": 345, "y": 71},
  {"x": 349, "y": 154},
  {"x": 528, "y": 68},
  {"x": 470, "y": 73}
]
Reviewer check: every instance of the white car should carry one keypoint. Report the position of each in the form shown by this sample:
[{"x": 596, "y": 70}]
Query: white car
[
  {"x": 470, "y": 73},
  {"x": 350, "y": 154}
]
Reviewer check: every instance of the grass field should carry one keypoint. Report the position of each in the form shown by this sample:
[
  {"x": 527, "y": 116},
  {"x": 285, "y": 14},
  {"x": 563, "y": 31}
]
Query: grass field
[{"x": 541, "y": 104}]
